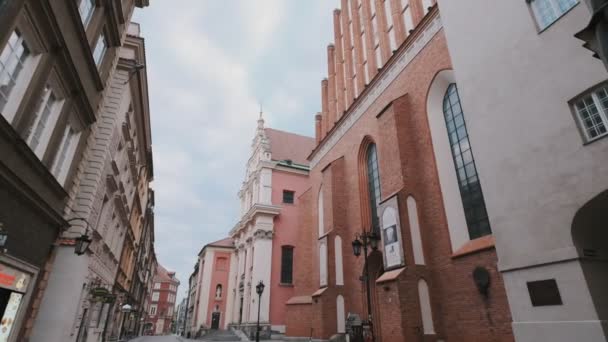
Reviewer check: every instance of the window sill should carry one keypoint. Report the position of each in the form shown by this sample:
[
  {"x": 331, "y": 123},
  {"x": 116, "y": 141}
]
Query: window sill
[
  {"x": 475, "y": 246},
  {"x": 285, "y": 285},
  {"x": 591, "y": 141}
]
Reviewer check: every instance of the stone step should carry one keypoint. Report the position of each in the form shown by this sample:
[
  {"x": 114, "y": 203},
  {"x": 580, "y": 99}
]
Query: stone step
[{"x": 221, "y": 335}]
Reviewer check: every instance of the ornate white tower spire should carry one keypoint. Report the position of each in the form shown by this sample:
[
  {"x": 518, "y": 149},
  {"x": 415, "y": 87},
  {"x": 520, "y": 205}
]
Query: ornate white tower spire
[{"x": 261, "y": 120}]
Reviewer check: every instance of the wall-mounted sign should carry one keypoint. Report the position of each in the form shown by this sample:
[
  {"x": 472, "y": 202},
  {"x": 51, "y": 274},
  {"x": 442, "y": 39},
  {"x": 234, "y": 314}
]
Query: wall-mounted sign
[
  {"x": 391, "y": 234},
  {"x": 10, "y": 314},
  {"x": 13, "y": 279}
]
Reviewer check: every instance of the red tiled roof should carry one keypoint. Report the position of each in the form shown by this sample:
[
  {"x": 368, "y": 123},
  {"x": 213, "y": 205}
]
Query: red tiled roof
[
  {"x": 162, "y": 275},
  {"x": 285, "y": 145}
]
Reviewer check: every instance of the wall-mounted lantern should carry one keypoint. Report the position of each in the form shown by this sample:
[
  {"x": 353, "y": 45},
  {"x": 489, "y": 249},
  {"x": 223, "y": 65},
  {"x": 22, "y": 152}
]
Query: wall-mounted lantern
[
  {"x": 82, "y": 242},
  {"x": 481, "y": 277}
]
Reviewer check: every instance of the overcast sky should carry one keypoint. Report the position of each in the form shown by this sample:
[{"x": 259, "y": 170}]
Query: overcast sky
[{"x": 210, "y": 64}]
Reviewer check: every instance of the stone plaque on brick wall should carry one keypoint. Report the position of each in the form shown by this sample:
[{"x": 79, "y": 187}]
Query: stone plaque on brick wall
[{"x": 392, "y": 246}]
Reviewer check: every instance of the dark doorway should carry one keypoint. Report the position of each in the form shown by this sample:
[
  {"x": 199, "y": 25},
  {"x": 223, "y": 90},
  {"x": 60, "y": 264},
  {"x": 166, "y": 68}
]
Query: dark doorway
[
  {"x": 4, "y": 297},
  {"x": 241, "y": 311},
  {"x": 215, "y": 320}
]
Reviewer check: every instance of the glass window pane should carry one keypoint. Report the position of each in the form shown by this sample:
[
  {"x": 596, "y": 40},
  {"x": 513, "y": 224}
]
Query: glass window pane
[
  {"x": 373, "y": 178},
  {"x": 466, "y": 172},
  {"x": 100, "y": 50},
  {"x": 591, "y": 120},
  {"x": 13, "y": 57}
]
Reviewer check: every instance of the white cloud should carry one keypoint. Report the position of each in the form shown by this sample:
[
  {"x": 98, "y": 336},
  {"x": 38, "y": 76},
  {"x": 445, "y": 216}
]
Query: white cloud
[{"x": 203, "y": 93}]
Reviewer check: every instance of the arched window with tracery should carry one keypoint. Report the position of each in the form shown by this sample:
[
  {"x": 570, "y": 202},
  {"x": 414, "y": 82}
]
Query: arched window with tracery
[
  {"x": 373, "y": 185},
  {"x": 466, "y": 172}
]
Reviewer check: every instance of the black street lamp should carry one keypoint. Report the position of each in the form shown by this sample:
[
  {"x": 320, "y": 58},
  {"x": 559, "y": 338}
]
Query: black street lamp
[
  {"x": 125, "y": 309},
  {"x": 367, "y": 239},
  {"x": 259, "y": 288},
  {"x": 82, "y": 242}
]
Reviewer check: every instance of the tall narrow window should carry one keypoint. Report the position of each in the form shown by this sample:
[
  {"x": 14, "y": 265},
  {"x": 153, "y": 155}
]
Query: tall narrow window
[
  {"x": 320, "y": 213},
  {"x": 65, "y": 153},
  {"x": 100, "y": 50},
  {"x": 466, "y": 172},
  {"x": 85, "y": 8},
  {"x": 373, "y": 186},
  {"x": 12, "y": 60},
  {"x": 41, "y": 117},
  {"x": 286, "y": 265}
]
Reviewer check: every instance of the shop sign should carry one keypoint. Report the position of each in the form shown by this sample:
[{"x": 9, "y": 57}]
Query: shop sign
[
  {"x": 10, "y": 315},
  {"x": 13, "y": 279},
  {"x": 391, "y": 234}
]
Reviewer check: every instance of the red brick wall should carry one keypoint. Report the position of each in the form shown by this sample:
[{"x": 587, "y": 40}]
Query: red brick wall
[
  {"x": 298, "y": 320},
  {"x": 407, "y": 167}
]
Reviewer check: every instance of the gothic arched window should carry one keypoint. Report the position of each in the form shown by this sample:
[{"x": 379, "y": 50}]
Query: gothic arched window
[
  {"x": 468, "y": 181},
  {"x": 373, "y": 185}
]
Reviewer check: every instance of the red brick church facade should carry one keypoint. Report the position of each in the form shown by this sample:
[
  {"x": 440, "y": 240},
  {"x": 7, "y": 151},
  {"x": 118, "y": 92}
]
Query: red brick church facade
[{"x": 375, "y": 150}]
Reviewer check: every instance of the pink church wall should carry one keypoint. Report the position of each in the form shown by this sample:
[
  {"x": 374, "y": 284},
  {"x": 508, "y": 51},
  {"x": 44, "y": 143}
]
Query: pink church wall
[
  {"x": 219, "y": 275},
  {"x": 285, "y": 228}
]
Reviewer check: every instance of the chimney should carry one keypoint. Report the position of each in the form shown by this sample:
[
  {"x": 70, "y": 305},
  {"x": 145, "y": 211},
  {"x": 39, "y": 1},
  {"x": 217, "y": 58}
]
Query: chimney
[
  {"x": 339, "y": 58},
  {"x": 331, "y": 92},
  {"x": 324, "y": 109},
  {"x": 318, "y": 124}
]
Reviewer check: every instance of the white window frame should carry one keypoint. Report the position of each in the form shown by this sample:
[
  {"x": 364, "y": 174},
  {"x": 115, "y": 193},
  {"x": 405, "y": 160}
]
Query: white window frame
[
  {"x": 153, "y": 309},
  {"x": 155, "y": 296},
  {"x": 535, "y": 6},
  {"x": 45, "y": 128},
  {"x": 602, "y": 112},
  {"x": 67, "y": 149},
  {"x": 101, "y": 47},
  {"x": 28, "y": 66},
  {"x": 82, "y": 7}
]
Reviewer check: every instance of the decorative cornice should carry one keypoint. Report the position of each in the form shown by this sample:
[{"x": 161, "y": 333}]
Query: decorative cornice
[
  {"x": 262, "y": 234},
  {"x": 255, "y": 210},
  {"x": 384, "y": 79}
]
